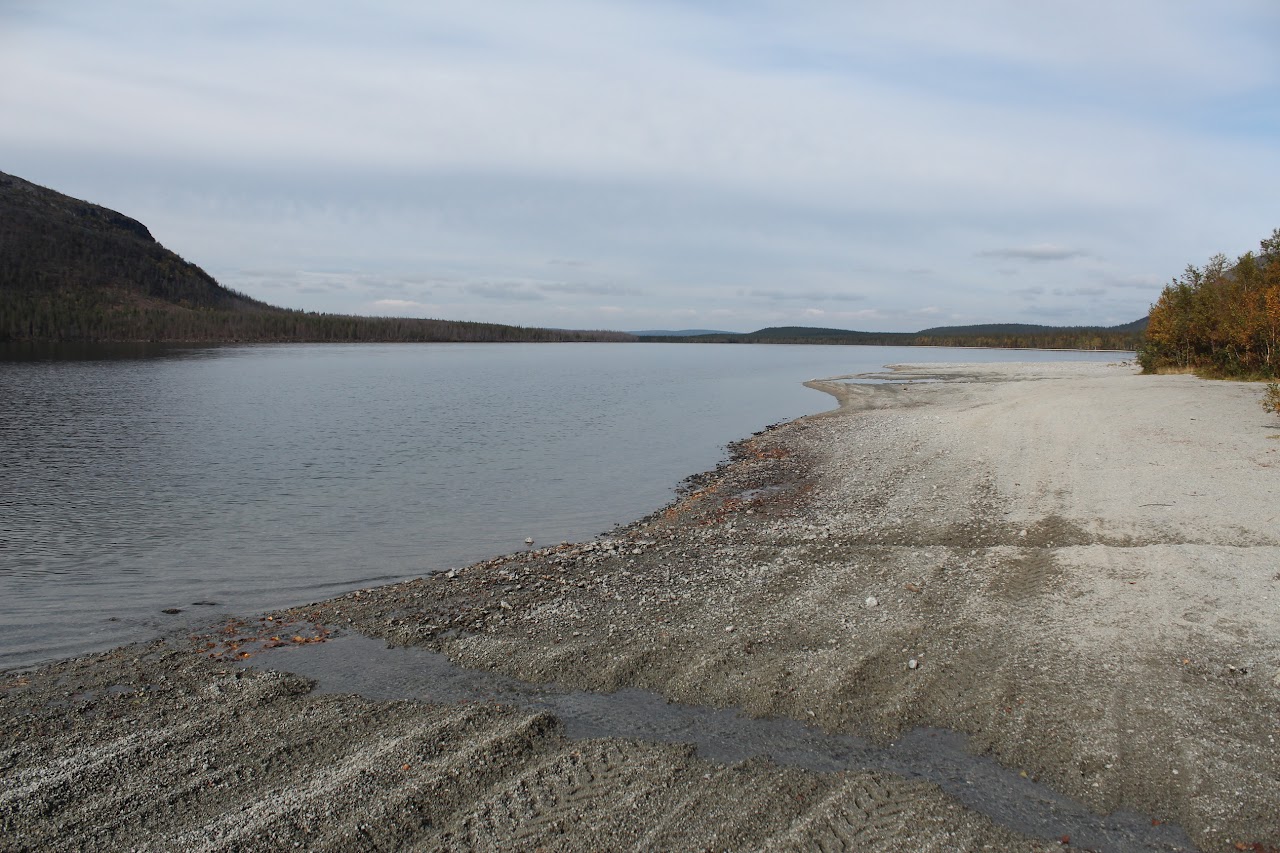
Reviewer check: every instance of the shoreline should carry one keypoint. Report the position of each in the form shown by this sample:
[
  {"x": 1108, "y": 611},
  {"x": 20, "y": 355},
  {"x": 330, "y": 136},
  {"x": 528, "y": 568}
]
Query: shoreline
[{"x": 988, "y": 527}]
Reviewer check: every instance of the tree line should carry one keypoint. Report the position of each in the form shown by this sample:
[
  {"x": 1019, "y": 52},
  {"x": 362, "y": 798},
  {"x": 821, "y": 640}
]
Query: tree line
[
  {"x": 95, "y": 316},
  {"x": 1222, "y": 319},
  {"x": 1126, "y": 337},
  {"x": 1090, "y": 339}
]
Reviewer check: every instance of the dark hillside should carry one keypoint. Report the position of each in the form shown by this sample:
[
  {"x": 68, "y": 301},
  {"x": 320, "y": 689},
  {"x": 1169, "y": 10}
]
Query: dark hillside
[
  {"x": 54, "y": 244},
  {"x": 75, "y": 271}
]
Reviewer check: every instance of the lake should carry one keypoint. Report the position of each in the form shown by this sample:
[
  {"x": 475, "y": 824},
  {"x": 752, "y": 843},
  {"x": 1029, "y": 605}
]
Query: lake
[{"x": 234, "y": 479}]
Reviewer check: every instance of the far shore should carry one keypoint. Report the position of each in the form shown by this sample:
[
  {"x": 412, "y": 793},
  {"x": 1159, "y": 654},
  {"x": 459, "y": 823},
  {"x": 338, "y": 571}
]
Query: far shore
[{"x": 1076, "y": 566}]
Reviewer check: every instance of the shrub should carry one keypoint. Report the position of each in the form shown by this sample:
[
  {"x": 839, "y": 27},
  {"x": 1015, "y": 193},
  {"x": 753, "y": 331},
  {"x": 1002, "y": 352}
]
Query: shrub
[{"x": 1271, "y": 398}]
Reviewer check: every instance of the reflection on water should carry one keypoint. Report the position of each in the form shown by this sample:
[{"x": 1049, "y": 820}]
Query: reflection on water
[
  {"x": 141, "y": 478},
  {"x": 28, "y": 351}
]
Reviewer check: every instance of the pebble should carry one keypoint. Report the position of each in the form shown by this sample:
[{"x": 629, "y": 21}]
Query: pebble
[
  {"x": 528, "y": 540},
  {"x": 872, "y": 601},
  {"x": 913, "y": 663},
  {"x": 1276, "y": 680}
]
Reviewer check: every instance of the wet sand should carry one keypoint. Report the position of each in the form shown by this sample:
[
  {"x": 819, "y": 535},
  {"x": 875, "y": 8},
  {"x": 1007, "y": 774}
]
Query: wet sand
[{"x": 1075, "y": 566}]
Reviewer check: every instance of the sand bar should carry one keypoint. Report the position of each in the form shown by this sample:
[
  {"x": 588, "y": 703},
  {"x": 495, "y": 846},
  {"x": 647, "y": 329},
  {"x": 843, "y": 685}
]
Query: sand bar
[{"x": 1076, "y": 566}]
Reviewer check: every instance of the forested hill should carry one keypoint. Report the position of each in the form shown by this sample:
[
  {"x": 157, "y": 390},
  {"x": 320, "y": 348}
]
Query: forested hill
[
  {"x": 1124, "y": 337},
  {"x": 54, "y": 244},
  {"x": 75, "y": 271}
]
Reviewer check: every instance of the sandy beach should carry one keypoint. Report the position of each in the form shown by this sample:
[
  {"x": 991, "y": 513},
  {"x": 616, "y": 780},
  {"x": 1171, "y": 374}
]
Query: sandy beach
[{"x": 1075, "y": 566}]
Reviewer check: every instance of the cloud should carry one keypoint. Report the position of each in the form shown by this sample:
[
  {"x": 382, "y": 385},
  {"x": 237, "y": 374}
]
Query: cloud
[
  {"x": 1136, "y": 282},
  {"x": 805, "y": 295},
  {"x": 1080, "y": 291},
  {"x": 504, "y": 291},
  {"x": 585, "y": 289},
  {"x": 402, "y": 306},
  {"x": 1041, "y": 252},
  {"x": 1058, "y": 314}
]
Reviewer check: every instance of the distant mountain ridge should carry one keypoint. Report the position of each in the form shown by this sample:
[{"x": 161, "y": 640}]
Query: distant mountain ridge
[
  {"x": 678, "y": 333},
  {"x": 1123, "y": 337},
  {"x": 1139, "y": 325}
]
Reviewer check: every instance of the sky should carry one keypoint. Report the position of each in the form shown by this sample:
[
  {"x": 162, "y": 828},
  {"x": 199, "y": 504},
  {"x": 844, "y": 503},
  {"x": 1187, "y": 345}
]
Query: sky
[{"x": 661, "y": 164}]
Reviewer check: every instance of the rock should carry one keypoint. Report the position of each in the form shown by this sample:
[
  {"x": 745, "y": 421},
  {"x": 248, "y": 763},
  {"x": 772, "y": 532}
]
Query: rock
[
  {"x": 172, "y": 610},
  {"x": 872, "y": 601},
  {"x": 528, "y": 540},
  {"x": 1276, "y": 680},
  {"x": 913, "y": 663},
  {"x": 728, "y": 629}
]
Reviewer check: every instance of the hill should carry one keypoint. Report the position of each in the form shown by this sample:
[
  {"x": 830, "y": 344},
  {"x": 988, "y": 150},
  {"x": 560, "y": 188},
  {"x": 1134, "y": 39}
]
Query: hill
[
  {"x": 75, "y": 271},
  {"x": 1124, "y": 337},
  {"x": 1136, "y": 326},
  {"x": 53, "y": 246}
]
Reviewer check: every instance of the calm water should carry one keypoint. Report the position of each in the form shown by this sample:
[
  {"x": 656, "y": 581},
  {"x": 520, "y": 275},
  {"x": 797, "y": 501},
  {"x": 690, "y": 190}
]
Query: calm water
[{"x": 251, "y": 477}]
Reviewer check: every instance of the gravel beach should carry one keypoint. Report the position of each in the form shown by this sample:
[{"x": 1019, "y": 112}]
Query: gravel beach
[{"x": 1075, "y": 566}]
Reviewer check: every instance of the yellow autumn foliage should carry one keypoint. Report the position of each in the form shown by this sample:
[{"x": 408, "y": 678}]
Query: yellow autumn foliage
[{"x": 1222, "y": 319}]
